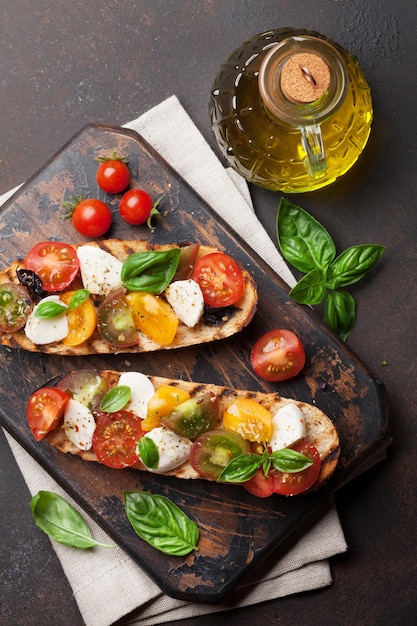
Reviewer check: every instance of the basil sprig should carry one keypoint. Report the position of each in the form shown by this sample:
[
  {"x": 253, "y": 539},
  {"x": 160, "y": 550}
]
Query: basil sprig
[
  {"x": 244, "y": 467},
  {"x": 159, "y": 522},
  {"x": 308, "y": 246},
  {"x": 46, "y": 310},
  {"x": 150, "y": 271},
  {"x": 148, "y": 452},
  {"x": 58, "y": 519},
  {"x": 116, "y": 399}
]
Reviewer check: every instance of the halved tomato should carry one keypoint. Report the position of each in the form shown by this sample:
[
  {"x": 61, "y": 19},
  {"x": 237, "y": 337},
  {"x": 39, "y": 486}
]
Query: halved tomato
[
  {"x": 278, "y": 355},
  {"x": 220, "y": 279},
  {"x": 85, "y": 386},
  {"x": 248, "y": 418},
  {"x": 162, "y": 403},
  {"x": 195, "y": 416},
  {"x": 82, "y": 321},
  {"x": 153, "y": 316},
  {"x": 115, "y": 320},
  {"x": 214, "y": 450},
  {"x": 54, "y": 262},
  {"x": 45, "y": 409},
  {"x": 115, "y": 439},
  {"x": 15, "y": 306}
]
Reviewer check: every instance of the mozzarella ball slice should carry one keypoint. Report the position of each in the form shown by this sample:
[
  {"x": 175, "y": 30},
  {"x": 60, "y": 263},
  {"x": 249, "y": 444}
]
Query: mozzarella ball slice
[
  {"x": 100, "y": 270},
  {"x": 173, "y": 449},
  {"x": 42, "y": 331},
  {"x": 288, "y": 427},
  {"x": 186, "y": 299},
  {"x": 79, "y": 424},
  {"x": 141, "y": 391}
]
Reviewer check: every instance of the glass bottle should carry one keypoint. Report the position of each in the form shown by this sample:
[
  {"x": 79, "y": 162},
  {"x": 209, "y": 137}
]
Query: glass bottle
[{"x": 291, "y": 110}]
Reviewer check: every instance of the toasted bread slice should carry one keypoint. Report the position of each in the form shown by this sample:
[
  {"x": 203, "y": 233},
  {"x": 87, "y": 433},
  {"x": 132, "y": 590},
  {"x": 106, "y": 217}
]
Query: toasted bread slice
[
  {"x": 321, "y": 431},
  {"x": 240, "y": 317}
]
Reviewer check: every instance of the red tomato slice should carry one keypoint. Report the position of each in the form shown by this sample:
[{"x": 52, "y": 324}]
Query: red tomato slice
[
  {"x": 260, "y": 485},
  {"x": 55, "y": 263},
  {"x": 220, "y": 279},
  {"x": 298, "y": 482},
  {"x": 278, "y": 355},
  {"x": 113, "y": 175},
  {"x": 115, "y": 439},
  {"x": 45, "y": 409}
]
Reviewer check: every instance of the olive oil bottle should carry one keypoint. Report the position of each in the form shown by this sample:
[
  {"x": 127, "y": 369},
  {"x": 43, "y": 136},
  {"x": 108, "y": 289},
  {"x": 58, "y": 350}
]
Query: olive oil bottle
[{"x": 291, "y": 110}]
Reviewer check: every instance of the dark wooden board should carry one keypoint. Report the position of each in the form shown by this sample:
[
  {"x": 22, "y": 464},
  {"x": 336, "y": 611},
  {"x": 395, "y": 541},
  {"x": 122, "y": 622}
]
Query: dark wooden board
[{"x": 237, "y": 531}]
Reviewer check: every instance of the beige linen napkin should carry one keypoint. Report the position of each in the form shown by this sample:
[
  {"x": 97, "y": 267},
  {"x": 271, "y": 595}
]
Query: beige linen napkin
[{"x": 107, "y": 584}]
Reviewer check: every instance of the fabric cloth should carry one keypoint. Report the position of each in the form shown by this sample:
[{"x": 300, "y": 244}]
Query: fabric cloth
[{"x": 106, "y": 583}]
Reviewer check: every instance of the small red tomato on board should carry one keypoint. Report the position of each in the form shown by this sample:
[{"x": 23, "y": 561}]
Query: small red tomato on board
[
  {"x": 91, "y": 217},
  {"x": 137, "y": 207},
  {"x": 54, "y": 262},
  {"x": 45, "y": 409},
  {"x": 220, "y": 279},
  {"x": 113, "y": 175},
  {"x": 278, "y": 355}
]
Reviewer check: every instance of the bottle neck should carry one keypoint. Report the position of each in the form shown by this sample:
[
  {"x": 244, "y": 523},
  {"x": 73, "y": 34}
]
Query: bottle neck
[{"x": 303, "y": 80}]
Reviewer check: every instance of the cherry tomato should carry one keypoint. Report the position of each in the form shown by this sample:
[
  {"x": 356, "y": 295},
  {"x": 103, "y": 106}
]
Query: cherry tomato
[
  {"x": 91, "y": 217},
  {"x": 115, "y": 439},
  {"x": 113, "y": 175},
  {"x": 220, "y": 279},
  {"x": 195, "y": 416},
  {"x": 15, "y": 306},
  {"x": 137, "y": 207},
  {"x": 55, "y": 263},
  {"x": 187, "y": 261},
  {"x": 287, "y": 484},
  {"x": 115, "y": 321},
  {"x": 162, "y": 403},
  {"x": 85, "y": 386},
  {"x": 248, "y": 418},
  {"x": 153, "y": 316},
  {"x": 45, "y": 409},
  {"x": 213, "y": 450},
  {"x": 82, "y": 321},
  {"x": 278, "y": 355}
]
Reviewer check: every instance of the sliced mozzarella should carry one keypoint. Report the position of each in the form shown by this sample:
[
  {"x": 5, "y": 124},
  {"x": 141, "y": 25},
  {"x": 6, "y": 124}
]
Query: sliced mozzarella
[
  {"x": 100, "y": 270},
  {"x": 79, "y": 424},
  {"x": 173, "y": 449},
  {"x": 288, "y": 427},
  {"x": 141, "y": 391},
  {"x": 42, "y": 331},
  {"x": 186, "y": 298}
]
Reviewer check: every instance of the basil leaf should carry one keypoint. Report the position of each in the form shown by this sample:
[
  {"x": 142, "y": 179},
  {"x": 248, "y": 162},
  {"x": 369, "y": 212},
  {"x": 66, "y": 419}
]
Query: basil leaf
[
  {"x": 311, "y": 288},
  {"x": 289, "y": 461},
  {"x": 115, "y": 399},
  {"x": 352, "y": 265},
  {"x": 58, "y": 519},
  {"x": 47, "y": 310},
  {"x": 79, "y": 297},
  {"x": 150, "y": 271},
  {"x": 148, "y": 452},
  {"x": 241, "y": 468},
  {"x": 159, "y": 522},
  {"x": 303, "y": 241},
  {"x": 340, "y": 312}
]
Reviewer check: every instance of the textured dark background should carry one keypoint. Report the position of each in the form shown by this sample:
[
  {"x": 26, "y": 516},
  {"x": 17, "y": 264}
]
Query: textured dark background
[{"x": 65, "y": 64}]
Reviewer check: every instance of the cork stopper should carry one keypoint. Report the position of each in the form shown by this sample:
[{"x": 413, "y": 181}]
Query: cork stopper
[{"x": 305, "y": 77}]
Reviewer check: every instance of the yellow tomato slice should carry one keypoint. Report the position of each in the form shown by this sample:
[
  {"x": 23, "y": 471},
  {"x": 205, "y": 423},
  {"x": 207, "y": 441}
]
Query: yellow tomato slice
[
  {"x": 249, "y": 419},
  {"x": 164, "y": 400},
  {"x": 153, "y": 316},
  {"x": 82, "y": 321}
]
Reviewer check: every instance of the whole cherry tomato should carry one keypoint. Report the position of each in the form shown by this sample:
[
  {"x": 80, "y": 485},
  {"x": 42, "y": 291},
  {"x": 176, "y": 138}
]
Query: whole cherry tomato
[
  {"x": 137, "y": 207},
  {"x": 91, "y": 217},
  {"x": 113, "y": 175}
]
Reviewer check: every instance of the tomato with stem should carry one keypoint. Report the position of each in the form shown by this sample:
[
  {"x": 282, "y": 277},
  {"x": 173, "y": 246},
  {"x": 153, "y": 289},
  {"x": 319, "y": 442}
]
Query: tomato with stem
[{"x": 113, "y": 174}]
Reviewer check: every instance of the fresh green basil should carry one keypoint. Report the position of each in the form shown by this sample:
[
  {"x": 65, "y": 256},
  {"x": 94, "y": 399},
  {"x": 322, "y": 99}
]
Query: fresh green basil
[
  {"x": 289, "y": 461},
  {"x": 58, "y": 519},
  {"x": 307, "y": 245},
  {"x": 241, "y": 468},
  {"x": 159, "y": 522},
  {"x": 150, "y": 271},
  {"x": 352, "y": 265},
  {"x": 340, "y": 312},
  {"x": 115, "y": 399},
  {"x": 148, "y": 452},
  {"x": 304, "y": 242},
  {"x": 46, "y": 310}
]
